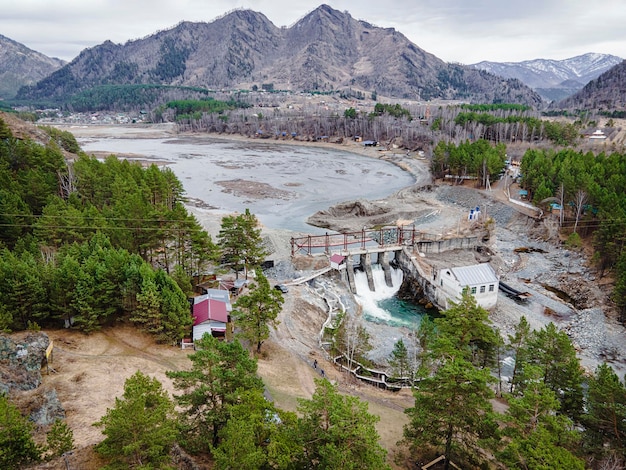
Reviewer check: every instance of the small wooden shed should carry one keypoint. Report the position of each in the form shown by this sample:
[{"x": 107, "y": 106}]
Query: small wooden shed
[{"x": 337, "y": 261}]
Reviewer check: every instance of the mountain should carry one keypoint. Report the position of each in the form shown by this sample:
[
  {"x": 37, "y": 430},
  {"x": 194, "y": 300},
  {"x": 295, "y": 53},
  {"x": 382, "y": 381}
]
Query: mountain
[
  {"x": 21, "y": 66},
  {"x": 554, "y": 79},
  {"x": 605, "y": 93},
  {"x": 324, "y": 51}
]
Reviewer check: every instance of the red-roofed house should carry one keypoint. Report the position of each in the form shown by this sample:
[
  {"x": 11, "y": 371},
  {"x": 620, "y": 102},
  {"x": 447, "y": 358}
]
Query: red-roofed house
[{"x": 209, "y": 316}]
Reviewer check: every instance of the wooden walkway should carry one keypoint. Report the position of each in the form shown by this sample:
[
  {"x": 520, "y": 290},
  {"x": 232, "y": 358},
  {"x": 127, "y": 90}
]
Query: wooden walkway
[{"x": 313, "y": 275}]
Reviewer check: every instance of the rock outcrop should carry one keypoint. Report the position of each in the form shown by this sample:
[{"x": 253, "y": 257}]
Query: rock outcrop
[{"x": 21, "y": 359}]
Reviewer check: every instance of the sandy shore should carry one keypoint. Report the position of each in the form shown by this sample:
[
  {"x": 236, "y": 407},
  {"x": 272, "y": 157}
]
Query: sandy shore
[{"x": 411, "y": 162}]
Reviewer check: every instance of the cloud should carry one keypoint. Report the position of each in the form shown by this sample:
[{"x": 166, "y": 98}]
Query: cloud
[{"x": 453, "y": 30}]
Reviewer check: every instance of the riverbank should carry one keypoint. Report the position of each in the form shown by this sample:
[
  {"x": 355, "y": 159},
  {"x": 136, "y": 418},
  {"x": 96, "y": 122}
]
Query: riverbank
[{"x": 412, "y": 162}]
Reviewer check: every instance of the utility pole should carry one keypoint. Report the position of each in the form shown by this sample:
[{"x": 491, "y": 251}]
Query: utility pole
[{"x": 506, "y": 177}]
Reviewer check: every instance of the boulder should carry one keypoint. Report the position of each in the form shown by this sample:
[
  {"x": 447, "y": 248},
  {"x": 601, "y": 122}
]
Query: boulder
[
  {"x": 21, "y": 358},
  {"x": 49, "y": 409}
]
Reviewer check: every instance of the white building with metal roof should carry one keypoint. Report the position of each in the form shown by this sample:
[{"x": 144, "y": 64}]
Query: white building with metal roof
[{"x": 481, "y": 280}]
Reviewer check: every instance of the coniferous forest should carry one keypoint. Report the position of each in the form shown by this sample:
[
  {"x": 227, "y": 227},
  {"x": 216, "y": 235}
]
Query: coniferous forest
[
  {"x": 88, "y": 242},
  {"x": 592, "y": 191},
  {"x": 590, "y": 188}
]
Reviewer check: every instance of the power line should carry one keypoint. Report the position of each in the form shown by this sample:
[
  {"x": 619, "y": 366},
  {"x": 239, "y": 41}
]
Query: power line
[
  {"x": 83, "y": 227},
  {"x": 78, "y": 217},
  {"x": 594, "y": 224}
]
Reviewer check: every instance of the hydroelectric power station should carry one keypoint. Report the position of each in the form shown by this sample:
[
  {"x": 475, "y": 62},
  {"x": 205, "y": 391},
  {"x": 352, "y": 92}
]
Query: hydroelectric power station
[
  {"x": 427, "y": 275},
  {"x": 427, "y": 266}
]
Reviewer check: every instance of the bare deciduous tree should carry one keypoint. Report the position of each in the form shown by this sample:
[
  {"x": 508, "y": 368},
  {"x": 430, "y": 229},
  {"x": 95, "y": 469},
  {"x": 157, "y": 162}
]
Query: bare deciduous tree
[{"x": 581, "y": 200}]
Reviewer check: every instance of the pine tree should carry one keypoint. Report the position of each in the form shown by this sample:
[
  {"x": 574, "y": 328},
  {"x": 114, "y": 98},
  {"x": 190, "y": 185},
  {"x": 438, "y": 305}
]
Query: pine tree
[
  {"x": 140, "y": 429},
  {"x": 257, "y": 311},
  {"x": 5, "y": 131},
  {"x": 399, "y": 362},
  {"x": 161, "y": 308},
  {"x": 183, "y": 280},
  {"x": 232, "y": 244},
  {"x": 59, "y": 439},
  {"x": 519, "y": 344},
  {"x": 257, "y": 436},
  {"x": 538, "y": 437},
  {"x": 220, "y": 373},
  {"x": 452, "y": 412},
  {"x": 17, "y": 447},
  {"x": 605, "y": 419},
  {"x": 338, "y": 432},
  {"x": 175, "y": 315},
  {"x": 553, "y": 353},
  {"x": 467, "y": 327},
  {"x": 148, "y": 309},
  {"x": 241, "y": 243},
  {"x": 23, "y": 292},
  {"x": 85, "y": 315}
]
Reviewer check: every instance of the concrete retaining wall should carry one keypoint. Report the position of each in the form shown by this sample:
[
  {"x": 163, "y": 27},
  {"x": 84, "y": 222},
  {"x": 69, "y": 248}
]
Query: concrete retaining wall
[
  {"x": 420, "y": 273},
  {"x": 448, "y": 244}
]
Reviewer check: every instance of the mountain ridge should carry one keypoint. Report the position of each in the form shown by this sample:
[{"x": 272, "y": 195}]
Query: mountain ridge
[
  {"x": 326, "y": 50},
  {"x": 554, "y": 79},
  {"x": 606, "y": 93}
]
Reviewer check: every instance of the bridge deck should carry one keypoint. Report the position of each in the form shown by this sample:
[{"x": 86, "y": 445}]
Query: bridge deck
[{"x": 372, "y": 249}]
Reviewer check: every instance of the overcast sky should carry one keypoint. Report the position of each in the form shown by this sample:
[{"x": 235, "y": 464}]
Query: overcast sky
[{"x": 465, "y": 31}]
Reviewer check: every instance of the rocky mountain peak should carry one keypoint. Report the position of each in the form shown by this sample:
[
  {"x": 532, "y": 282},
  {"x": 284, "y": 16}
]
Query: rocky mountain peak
[
  {"x": 554, "y": 79},
  {"x": 605, "y": 93},
  {"x": 323, "y": 51},
  {"x": 21, "y": 66}
]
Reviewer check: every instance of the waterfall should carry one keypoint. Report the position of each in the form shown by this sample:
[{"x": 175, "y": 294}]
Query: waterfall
[{"x": 383, "y": 305}]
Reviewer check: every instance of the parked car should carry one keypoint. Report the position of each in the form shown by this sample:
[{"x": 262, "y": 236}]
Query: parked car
[{"x": 281, "y": 287}]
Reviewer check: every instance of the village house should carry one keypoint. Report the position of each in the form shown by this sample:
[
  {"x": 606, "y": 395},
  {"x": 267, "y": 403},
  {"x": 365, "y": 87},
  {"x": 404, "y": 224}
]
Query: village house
[
  {"x": 234, "y": 286},
  {"x": 598, "y": 134},
  {"x": 211, "y": 313}
]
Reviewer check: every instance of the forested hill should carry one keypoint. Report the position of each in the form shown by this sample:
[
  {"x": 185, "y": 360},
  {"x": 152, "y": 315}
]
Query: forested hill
[
  {"x": 606, "y": 93},
  {"x": 326, "y": 50},
  {"x": 89, "y": 242}
]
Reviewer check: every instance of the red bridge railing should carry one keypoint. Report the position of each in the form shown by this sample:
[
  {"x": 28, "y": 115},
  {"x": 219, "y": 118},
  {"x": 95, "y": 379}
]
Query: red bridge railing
[{"x": 385, "y": 236}]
